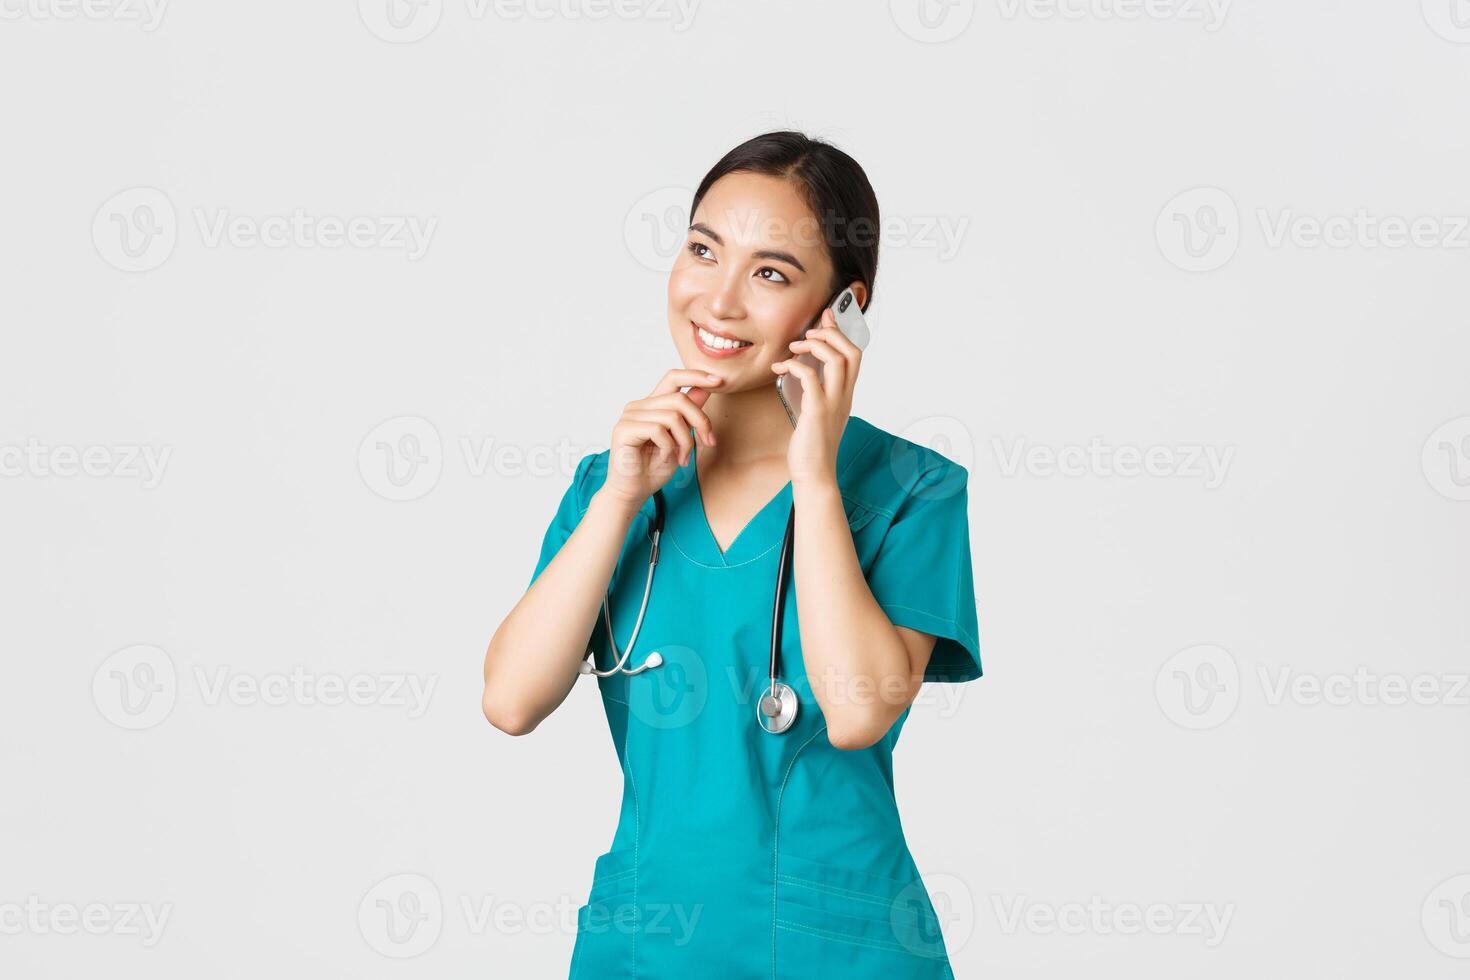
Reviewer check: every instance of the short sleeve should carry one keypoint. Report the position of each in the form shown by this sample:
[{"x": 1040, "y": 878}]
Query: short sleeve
[
  {"x": 922, "y": 575},
  {"x": 568, "y": 515}
]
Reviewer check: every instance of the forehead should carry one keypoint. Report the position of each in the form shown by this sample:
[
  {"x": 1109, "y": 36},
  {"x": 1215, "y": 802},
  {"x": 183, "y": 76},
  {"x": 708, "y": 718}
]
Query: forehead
[{"x": 757, "y": 211}]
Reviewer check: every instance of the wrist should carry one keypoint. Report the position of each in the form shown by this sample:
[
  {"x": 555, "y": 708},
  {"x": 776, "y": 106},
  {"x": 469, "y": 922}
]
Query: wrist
[
  {"x": 613, "y": 504},
  {"x": 815, "y": 490}
]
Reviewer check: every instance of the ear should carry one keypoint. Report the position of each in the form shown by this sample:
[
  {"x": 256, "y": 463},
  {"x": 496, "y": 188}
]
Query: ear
[{"x": 860, "y": 290}]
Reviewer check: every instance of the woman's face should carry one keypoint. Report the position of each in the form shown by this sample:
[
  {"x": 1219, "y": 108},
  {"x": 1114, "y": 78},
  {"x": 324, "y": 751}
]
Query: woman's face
[{"x": 754, "y": 268}]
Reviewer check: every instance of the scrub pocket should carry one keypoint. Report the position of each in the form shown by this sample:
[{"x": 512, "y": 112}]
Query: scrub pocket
[
  {"x": 833, "y": 922},
  {"x": 607, "y": 924}
]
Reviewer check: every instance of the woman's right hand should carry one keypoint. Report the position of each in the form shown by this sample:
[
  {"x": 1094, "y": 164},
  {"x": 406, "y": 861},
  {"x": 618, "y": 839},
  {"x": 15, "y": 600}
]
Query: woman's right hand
[{"x": 651, "y": 440}]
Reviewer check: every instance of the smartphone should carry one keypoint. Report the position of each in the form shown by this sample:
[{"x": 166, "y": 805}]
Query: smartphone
[{"x": 849, "y": 314}]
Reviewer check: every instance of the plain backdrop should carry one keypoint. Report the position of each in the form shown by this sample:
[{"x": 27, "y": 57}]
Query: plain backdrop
[{"x": 308, "y": 312}]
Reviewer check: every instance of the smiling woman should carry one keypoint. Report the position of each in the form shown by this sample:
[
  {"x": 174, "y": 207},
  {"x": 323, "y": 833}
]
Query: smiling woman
[{"x": 772, "y": 834}]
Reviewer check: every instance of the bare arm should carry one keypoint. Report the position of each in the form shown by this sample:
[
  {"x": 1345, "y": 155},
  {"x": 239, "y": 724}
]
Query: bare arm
[
  {"x": 531, "y": 664},
  {"x": 864, "y": 670},
  {"x": 532, "y": 660}
]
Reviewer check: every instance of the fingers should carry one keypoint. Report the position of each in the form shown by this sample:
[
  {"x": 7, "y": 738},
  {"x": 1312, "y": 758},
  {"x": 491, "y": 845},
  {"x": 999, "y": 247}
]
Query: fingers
[
  {"x": 680, "y": 377},
  {"x": 811, "y": 385},
  {"x": 834, "y": 373},
  {"x": 673, "y": 422},
  {"x": 689, "y": 408},
  {"x": 636, "y": 433}
]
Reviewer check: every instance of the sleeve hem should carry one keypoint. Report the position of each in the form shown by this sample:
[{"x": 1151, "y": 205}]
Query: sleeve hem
[{"x": 951, "y": 669}]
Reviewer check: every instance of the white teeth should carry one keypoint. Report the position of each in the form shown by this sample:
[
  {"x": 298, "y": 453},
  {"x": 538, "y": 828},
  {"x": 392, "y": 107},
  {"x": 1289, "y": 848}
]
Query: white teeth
[{"x": 719, "y": 343}]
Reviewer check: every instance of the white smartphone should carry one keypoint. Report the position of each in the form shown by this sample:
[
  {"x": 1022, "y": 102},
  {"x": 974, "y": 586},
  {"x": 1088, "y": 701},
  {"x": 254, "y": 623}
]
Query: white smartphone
[{"x": 849, "y": 314}]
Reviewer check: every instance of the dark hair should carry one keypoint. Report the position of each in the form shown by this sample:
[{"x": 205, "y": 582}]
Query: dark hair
[{"x": 835, "y": 187}]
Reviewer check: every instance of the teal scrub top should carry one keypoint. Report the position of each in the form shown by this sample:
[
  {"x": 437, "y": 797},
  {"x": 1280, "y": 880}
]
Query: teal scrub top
[{"x": 740, "y": 853}]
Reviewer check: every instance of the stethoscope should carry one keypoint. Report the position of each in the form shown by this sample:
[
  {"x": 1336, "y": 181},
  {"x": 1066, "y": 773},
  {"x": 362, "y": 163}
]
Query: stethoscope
[{"x": 776, "y": 710}]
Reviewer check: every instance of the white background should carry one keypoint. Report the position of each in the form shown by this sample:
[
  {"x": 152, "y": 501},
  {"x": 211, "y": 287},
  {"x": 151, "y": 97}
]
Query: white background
[{"x": 1129, "y": 746}]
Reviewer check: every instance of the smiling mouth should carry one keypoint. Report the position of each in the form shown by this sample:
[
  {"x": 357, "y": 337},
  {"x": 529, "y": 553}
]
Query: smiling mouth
[{"x": 715, "y": 345}]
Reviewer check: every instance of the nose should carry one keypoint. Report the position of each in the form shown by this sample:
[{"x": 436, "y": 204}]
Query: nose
[{"x": 727, "y": 303}]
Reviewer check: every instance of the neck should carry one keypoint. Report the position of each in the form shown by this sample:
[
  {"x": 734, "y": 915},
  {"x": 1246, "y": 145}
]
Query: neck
[{"x": 750, "y": 426}]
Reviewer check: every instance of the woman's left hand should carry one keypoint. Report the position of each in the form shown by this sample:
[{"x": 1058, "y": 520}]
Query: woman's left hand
[{"x": 826, "y": 402}]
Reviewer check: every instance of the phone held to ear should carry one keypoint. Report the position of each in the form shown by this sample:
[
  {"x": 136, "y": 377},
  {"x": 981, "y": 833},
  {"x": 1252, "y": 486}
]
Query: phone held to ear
[{"x": 849, "y": 315}]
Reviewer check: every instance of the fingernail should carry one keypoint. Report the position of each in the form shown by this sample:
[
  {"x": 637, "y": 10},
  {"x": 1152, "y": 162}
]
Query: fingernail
[{"x": 713, "y": 377}]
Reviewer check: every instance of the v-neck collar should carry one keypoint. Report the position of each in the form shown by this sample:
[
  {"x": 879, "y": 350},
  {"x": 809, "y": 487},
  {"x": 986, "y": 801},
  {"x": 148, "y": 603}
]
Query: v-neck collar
[{"x": 688, "y": 524}]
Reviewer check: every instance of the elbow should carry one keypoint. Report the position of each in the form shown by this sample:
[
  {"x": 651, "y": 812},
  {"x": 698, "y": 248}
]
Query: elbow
[
  {"x": 506, "y": 718},
  {"x": 851, "y": 735}
]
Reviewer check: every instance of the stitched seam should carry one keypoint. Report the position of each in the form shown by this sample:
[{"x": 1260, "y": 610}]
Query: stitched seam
[
  {"x": 839, "y": 937},
  {"x": 616, "y": 876},
  {"x": 919, "y": 917},
  {"x": 776, "y": 843},
  {"x": 942, "y": 619},
  {"x": 854, "y": 523},
  {"x": 791, "y": 906},
  {"x": 739, "y": 564},
  {"x": 637, "y": 836},
  {"x": 845, "y": 893},
  {"x": 835, "y": 890}
]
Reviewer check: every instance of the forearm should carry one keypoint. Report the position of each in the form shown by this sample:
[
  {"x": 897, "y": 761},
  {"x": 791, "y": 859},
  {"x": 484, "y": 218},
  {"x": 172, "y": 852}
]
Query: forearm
[
  {"x": 857, "y": 663},
  {"x": 532, "y": 661}
]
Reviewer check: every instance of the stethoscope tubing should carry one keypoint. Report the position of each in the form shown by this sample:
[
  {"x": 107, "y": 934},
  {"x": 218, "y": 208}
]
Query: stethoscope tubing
[{"x": 776, "y": 710}]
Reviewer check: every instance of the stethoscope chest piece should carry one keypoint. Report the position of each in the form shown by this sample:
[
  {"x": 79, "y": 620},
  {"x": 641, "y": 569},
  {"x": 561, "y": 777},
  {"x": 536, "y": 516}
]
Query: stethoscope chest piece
[{"x": 776, "y": 710}]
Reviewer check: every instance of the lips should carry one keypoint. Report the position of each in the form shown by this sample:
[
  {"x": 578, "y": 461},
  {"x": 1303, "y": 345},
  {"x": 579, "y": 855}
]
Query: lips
[{"x": 716, "y": 352}]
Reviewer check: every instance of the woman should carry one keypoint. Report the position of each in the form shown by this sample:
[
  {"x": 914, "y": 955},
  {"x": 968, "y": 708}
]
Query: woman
[{"x": 743, "y": 850}]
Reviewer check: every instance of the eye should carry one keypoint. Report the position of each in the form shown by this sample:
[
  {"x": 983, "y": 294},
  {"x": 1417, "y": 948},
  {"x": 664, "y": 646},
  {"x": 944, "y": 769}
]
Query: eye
[
  {"x": 694, "y": 249},
  {"x": 774, "y": 272}
]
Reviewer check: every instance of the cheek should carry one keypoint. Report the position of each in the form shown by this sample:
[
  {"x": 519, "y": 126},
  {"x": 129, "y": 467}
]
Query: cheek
[
  {"x": 780, "y": 324},
  {"x": 683, "y": 288}
]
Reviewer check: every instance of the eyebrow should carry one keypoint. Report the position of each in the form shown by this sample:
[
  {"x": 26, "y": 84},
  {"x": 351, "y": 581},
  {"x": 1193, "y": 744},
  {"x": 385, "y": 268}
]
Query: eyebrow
[{"x": 764, "y": 253}]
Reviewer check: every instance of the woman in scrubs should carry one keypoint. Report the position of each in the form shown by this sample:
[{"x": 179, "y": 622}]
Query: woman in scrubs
[{"x": 740, "y": 853}]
